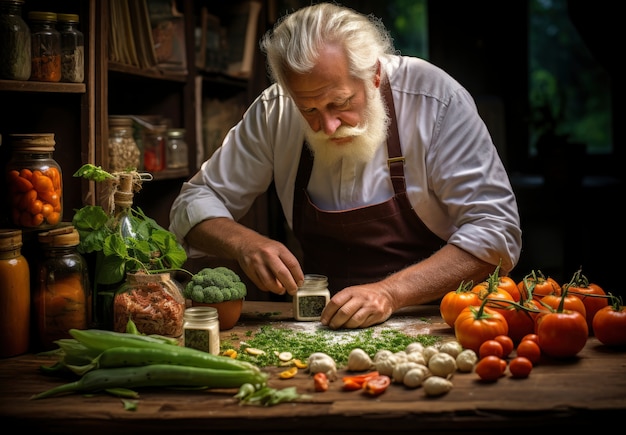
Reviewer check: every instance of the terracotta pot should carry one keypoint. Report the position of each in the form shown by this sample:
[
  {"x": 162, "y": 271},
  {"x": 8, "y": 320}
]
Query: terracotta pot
[{"x": 228, "y": 312}]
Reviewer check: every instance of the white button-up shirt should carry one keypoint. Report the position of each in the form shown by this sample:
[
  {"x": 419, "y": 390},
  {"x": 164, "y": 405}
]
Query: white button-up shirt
[{"x": 455, "y": 179}]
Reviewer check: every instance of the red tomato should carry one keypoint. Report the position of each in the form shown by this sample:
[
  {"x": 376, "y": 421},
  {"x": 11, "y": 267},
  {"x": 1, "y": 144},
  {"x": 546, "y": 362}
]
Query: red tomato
[
  {"x": 609, "y": 324},
  {"x": 490, "y": 368},
  {"x": 535, "y": 284},
  {"x": 507, "y": 344},
  {"x": 474, "y": 325},
  {"x": 376, "y": 385},
  {"x": 509, "y": 285},
  {"x": 593, "y": 296},
  {"x": 453, "y": 302},
  {"x": 564, "y": 301},
  {"x": 562, "y": 335},
  {"x": 531, "y": 337},
  {"x": 490, "y": 347},
  {"x": 529, "y": 349},
  {"x": 520, "y": 367}
]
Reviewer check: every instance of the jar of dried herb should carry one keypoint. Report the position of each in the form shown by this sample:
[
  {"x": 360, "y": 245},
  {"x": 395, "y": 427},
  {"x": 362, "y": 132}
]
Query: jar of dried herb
[
  {"x": 311, "y": 298},
  {"x": 72, "y": 49},
  {"x": 45, "y": 47},
  {"x": 202, "y": 329},
  {"x": 15, "y": 62},
  {"x": 124, "y": 153}
]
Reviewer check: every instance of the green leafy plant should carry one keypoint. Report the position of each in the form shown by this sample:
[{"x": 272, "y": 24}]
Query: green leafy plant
[{"x": 148, "y": 247}]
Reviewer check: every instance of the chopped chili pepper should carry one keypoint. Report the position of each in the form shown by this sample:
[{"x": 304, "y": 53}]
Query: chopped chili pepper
[
  {"x": 356, "y": 382},
  {"x": 320, "y": 381},
  {"x": 376, "y": 385}
]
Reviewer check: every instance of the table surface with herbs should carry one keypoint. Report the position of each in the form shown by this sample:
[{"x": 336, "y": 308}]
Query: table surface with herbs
[{"x": 579, "y": 392}]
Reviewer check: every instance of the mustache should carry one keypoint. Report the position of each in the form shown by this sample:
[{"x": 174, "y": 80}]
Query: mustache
[{"x": 341, "y": 132}]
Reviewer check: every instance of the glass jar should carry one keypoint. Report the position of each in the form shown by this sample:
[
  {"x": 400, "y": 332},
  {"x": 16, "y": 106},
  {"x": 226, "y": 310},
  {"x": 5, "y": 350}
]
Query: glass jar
[
  {"x": 45, "y": 47},
  {"x": 154, "y": 302},
  {"x": 72, "y": 49},
  {"x": 202, "y": 330},
  {"x": 35, "y": 182},
  {"x": 123, "y": 150},
  {"x": 62, "y": 298},
  {"x": 15, "y": 295},
  {"x": 15, "y": 45},
  {"x": 311, "y": 298},
  {"x": 154, "y": 149},
  {"x": 177, "y": 150}
]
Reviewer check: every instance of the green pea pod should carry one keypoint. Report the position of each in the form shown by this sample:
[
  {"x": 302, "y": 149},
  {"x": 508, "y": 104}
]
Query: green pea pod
[{"x": 157, "y": 375}]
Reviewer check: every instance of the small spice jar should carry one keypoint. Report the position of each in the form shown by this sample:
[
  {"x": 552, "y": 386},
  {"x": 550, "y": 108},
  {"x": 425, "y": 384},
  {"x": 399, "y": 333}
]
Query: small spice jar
[
  {"x": 154, "y": 148},
  {"x": 311, "y": 298},
  {"x": 62, "y": 298},
  {"x": 35, "y": 181},
  {"x": 15, "y": 295},
  {"x": 45, "y": 47},
  {"x": 124, "y": 153},
  {"x": 177, "y": 149},
  {"x": 201, "y": 329},
  {"x": 15, "y": 45},
  {"x": 72, "y": 49}
]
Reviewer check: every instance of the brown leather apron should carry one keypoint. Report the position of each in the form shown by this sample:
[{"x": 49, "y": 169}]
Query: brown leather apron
[{"x": 365, "y": 244}]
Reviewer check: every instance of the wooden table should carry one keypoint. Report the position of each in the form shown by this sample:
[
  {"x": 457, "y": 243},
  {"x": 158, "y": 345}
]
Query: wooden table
[{"x": 583, "y": 393}]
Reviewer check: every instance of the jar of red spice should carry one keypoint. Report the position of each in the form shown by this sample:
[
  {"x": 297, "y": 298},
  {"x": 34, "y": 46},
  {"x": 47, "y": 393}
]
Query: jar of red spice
[{"x": 46, "y": 47}]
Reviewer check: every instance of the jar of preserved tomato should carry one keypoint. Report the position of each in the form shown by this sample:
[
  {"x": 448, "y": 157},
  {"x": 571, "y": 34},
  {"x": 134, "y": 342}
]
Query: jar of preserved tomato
[
  {"x": 72, "y": 49},
  {"x": 15, "y": 295},
  {"x": 45, "y": 47},
  {"x": 15, "y": 46},
  {"x": 62, "y": 297},
  {"x": 154, "y": 148},
  {"x": 34, "y": 181}
]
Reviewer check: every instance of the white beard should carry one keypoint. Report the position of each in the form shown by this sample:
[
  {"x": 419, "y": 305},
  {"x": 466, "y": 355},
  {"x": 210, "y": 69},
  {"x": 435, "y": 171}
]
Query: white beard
[{"x": 367, "y": 137}]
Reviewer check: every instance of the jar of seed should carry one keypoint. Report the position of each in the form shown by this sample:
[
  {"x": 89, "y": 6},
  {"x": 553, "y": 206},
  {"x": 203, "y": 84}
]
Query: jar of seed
[
  {"x": 201, "y": 329},
  {"x": 311, "y": 298},
  {"x": 124, "y": 153}
]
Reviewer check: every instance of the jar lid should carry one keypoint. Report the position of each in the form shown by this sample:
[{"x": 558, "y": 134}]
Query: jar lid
[
  {"x": 176, "y": 132},
  {"x": 72, "y": 18},
  {"x": 33, "y": 142},
  {"x": 59, "y": 237},
  {"x": 42, "y": 16},
  {"x": 120, "y": 121},
  {"x": 10, "y": 239},
  {"x": 201, "y": 313}
]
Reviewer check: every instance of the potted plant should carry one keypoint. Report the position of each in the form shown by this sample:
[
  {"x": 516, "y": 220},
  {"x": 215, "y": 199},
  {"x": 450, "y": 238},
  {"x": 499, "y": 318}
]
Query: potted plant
[
  {"x": 218, "y": 287},
  {"x": 126, "y": 242}
]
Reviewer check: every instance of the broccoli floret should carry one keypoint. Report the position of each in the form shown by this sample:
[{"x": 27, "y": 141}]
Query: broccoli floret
[{"x": 215, "y": 285}]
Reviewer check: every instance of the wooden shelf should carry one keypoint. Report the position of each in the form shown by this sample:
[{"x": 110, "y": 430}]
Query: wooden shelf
[{"x": 31, "y": 86}]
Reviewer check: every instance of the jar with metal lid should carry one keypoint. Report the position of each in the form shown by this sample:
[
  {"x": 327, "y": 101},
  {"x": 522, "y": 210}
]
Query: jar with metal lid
[
  {"x": 35, "y": 182},
  {"x": 311, "y": 298},
  {"x": 72, "y": 49},
  {"x": 154, "y": 148},
  {"x": 154, "y": 302},
  {"x": 45, "y": 47},
  {"x": 14, "y": 296},
  {"x": 177, "y": 150},
  {"x": 15, "y": 45},
  {"x": 62, "y": 298},
  {"x": 202, "y": 330},
  {"x": 124, "y": 153}
]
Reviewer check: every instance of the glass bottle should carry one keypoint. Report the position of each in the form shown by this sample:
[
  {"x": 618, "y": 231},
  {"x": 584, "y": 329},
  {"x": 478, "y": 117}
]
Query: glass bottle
[
  {"x": 15, "y": 44},
  {"x": 154, "y": 302},
  {"x": 177, "y": 150},
  {"x": 14, "y": 296},
  {"x": 154, "y": 148},
  {"x": 62, "y": 299},
  {"x": 35, "y": 182},
  {"x": 45, "y": 47},
  {"x": 72, "y": 49},
  {"x": 123, "y": 150},
  {"x": 202, "y": 329},
  {"x": 311, "y": 298}
]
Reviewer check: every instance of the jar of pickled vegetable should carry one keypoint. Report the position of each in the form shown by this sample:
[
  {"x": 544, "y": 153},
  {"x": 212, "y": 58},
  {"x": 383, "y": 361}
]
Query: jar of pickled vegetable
[
  {"x": 154, "y": 148},
  {"x": 45, "y": 47},
  {"x": 15, "y": 43},
  {"x": 72, "y": 49},
  {"x": 14, "y": 296},
  {"x": 34, "y": 181},
  {"x": 153, "y": 301},
  {"x": 62, "y": 298}
]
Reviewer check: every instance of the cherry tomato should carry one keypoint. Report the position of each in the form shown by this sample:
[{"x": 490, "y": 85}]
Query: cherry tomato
[
  {"x": 529, "y": 349},
  {"x": 453, "y": 302},
  {"x": 320, "y": 382},
  {"x": 376, "y": 385},
  {"x": 490, "y": 347},
  {"x": 531, "y": 337},
  {"x": 490, "y": 368},
  {"x": 609, "y": 324},
  {"x": 507, "y": 344},
  {"x": 562, "y": 335},
  {"x": 520, "y": 367}
]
